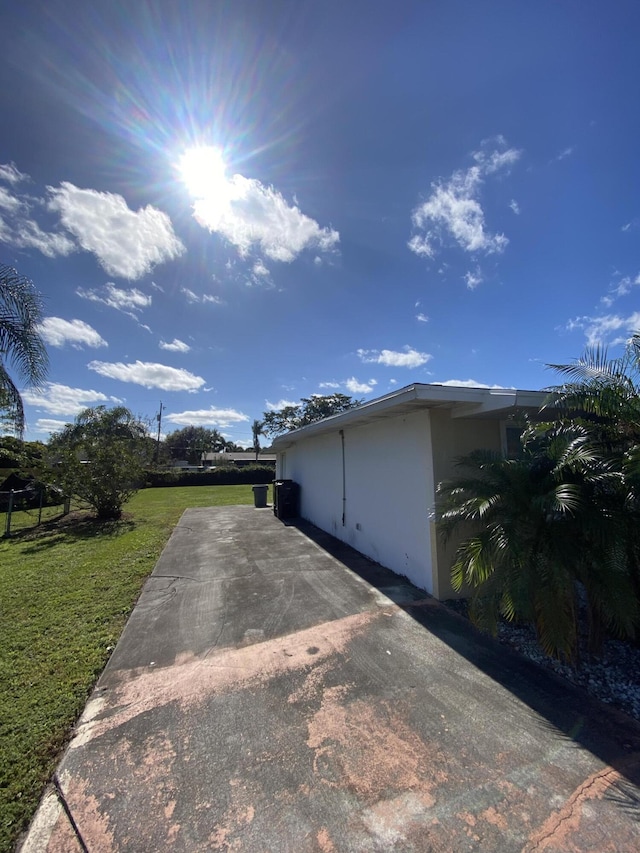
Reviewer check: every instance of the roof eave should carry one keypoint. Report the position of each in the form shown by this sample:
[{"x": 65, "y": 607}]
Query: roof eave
[{"x": 467, "y": 403}]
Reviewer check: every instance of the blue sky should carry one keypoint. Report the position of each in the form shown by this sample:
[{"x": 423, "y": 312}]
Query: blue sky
[{"x": 228, "y": 205}]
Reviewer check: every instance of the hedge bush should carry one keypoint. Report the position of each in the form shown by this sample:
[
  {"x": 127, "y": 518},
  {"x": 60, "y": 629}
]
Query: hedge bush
[{"x": 227, "y": 476}]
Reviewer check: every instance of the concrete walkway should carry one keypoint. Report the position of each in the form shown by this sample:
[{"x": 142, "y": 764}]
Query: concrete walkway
[{"x": 275, "y": 691}]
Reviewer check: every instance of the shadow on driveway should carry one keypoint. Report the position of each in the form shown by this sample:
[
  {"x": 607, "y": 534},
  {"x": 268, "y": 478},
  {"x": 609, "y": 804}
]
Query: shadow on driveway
[{"x": 606, "y": 732}]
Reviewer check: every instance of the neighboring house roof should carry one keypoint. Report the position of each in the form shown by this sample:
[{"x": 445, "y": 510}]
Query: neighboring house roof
[
  {"x": 495, "y": 403},
  {"x": 15, "y": 482},
  {"x": 250, "y": 455}
]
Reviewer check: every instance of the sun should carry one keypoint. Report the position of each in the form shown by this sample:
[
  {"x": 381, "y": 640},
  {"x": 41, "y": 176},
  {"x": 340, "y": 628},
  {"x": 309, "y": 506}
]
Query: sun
[{"x": 203, "y": 172}]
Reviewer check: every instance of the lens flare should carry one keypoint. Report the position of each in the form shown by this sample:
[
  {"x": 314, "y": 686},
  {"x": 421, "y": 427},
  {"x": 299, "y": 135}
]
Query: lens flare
[{"x": 203, "y": 172}]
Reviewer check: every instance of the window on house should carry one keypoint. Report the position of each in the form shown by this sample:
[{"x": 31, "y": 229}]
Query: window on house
[{"x": 513, "y": 440}]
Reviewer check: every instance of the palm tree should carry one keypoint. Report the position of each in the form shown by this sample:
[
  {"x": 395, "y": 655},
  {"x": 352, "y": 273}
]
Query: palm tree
[
  {"x": 257, "y": 428},
  {"x": 21, "y": 344},
  {"x": 603, "y": 394},
  {"x": 539, "y": 529}
]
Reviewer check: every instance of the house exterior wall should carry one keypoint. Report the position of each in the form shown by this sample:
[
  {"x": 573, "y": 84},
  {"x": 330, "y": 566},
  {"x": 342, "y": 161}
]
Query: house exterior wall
[
  {"x": 396, "y": 450},
  {"x": 388, "y": 490},
  {"x": 451, "y": 439}
]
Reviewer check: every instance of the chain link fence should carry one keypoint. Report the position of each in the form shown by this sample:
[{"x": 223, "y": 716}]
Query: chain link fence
[{"x": 21, "y": 509}]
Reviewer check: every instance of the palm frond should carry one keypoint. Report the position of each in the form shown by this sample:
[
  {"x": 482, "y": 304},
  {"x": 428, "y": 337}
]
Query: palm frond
[
  {"x": 20, "y": 315},
  {"x": 11, "y": 408}
]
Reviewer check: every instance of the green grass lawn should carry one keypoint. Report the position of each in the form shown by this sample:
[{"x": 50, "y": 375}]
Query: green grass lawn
[{"x": 66, "y": 589}]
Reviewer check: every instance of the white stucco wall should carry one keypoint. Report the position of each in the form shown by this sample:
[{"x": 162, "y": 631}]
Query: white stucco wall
[{"x": 388, "y": 487}]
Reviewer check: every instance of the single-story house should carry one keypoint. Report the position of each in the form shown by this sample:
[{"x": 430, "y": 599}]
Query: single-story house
[
  {"x": 213, "y": 460},
  {"x": 246, "y": 458},
  {"x": 369, "y": 475}
]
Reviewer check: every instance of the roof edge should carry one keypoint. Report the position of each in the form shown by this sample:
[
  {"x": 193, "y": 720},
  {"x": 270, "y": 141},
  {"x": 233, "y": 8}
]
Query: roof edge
[{"x": 472, "y": 402}]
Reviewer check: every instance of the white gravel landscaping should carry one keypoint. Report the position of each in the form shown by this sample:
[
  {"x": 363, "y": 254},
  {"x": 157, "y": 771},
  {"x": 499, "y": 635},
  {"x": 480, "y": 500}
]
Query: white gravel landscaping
[{"x": 613, "y": 677}]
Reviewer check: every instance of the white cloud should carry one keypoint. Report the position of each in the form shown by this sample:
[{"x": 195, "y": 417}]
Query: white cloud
[
  {"x": 251, "y": 215},
  {"x": 473, "y": 279},
  {"x": 259, "y": 275},
  {"x": 620, "y": 288},
  {"x": 57, "y": 332},
  {"x": 8, "y": 202},
  {"x": 149, "y": 375},
  {"x": 390, "y": 358},
  {"x": 353, "y": 386},
  {"x": 212, "y": 416},
  {"x": 467, "y": 383},
  {"x": 260, "y": 269},
  {"x": 281, "y": 404},
  {"x": 191, "y": 296},
  {"x": 633, "y": 224},
  {"x": 57, "y": 399},
  {"x": 127, "y": 301},
  {"x": 565, "y": 153},
  {"x": 330, "y": 385},
  {"x": 126, "y": 243},
  {"x": 422, "y": 318},
  {"x": 175, "y": 346},
  {"x": 196, "y": 298},
  {"x": 493, "y": 161},
  {"x": 49, "y": 425},
  {"x": 20, "y": 230},
  {"x": 515, "y": 207},
  {"x": 601, "y": 330},
  {"x": 453, "y": 212},
  {"x": 29, "y": 235},
  {"x": 10, "y": 174}
]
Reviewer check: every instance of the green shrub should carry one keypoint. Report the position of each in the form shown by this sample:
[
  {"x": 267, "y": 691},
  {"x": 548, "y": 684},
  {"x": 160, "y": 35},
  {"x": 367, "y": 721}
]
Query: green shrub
[{"x": 223, "y": 476}]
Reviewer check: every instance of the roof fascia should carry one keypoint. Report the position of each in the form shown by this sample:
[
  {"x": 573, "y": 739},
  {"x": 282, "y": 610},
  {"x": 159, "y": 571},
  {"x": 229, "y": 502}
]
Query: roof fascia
[{"x": 464, "y": 403}]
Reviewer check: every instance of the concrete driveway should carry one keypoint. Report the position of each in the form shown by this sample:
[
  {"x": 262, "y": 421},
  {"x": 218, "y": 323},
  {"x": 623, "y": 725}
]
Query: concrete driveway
[{"x": 275, "y": 691}]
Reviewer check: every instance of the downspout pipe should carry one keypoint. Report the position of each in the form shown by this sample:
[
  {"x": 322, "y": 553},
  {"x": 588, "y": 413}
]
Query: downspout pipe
[{"x": 344, "y": 480}]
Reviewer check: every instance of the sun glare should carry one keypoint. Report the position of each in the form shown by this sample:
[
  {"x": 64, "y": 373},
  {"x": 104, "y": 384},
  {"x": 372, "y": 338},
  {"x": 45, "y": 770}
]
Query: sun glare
[{"x": 202, "y": 170}]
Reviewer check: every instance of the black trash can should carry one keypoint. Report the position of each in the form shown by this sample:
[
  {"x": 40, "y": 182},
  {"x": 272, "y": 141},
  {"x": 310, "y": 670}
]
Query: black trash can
[
  {"x": 260, "y": 495},
  {"x": 286, "y": 499}
]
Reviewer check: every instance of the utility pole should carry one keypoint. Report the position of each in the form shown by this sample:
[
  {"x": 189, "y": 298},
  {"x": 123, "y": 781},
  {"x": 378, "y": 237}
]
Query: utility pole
[{"x": 159, "y": 419}]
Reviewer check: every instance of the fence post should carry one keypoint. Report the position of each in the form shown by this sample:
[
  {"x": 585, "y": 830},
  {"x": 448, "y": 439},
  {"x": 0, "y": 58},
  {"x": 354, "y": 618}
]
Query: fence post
[
  {"x": 67, "y": 506},
  {"x": 7, "y": 530},
  {"x": 40, "y": 506}
]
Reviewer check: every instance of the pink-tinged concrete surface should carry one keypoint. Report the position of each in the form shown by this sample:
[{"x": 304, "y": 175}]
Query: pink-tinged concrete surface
[
  {"x": 51, "y": 830},
  {"x": 275, "y": 691}
]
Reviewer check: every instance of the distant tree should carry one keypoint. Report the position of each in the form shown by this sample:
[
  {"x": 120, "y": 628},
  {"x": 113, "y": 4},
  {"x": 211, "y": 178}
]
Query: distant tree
[
  {"x": 256, "y": 429},
  {"x": 232, "y": 447},
  {"x": 21, "y": 344},
  {"x": 26, "y": 456},
  {"x": 192, "y": 442},
  {"x": 308, "y": 410},
  {"x": 101, "y": 458}
]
